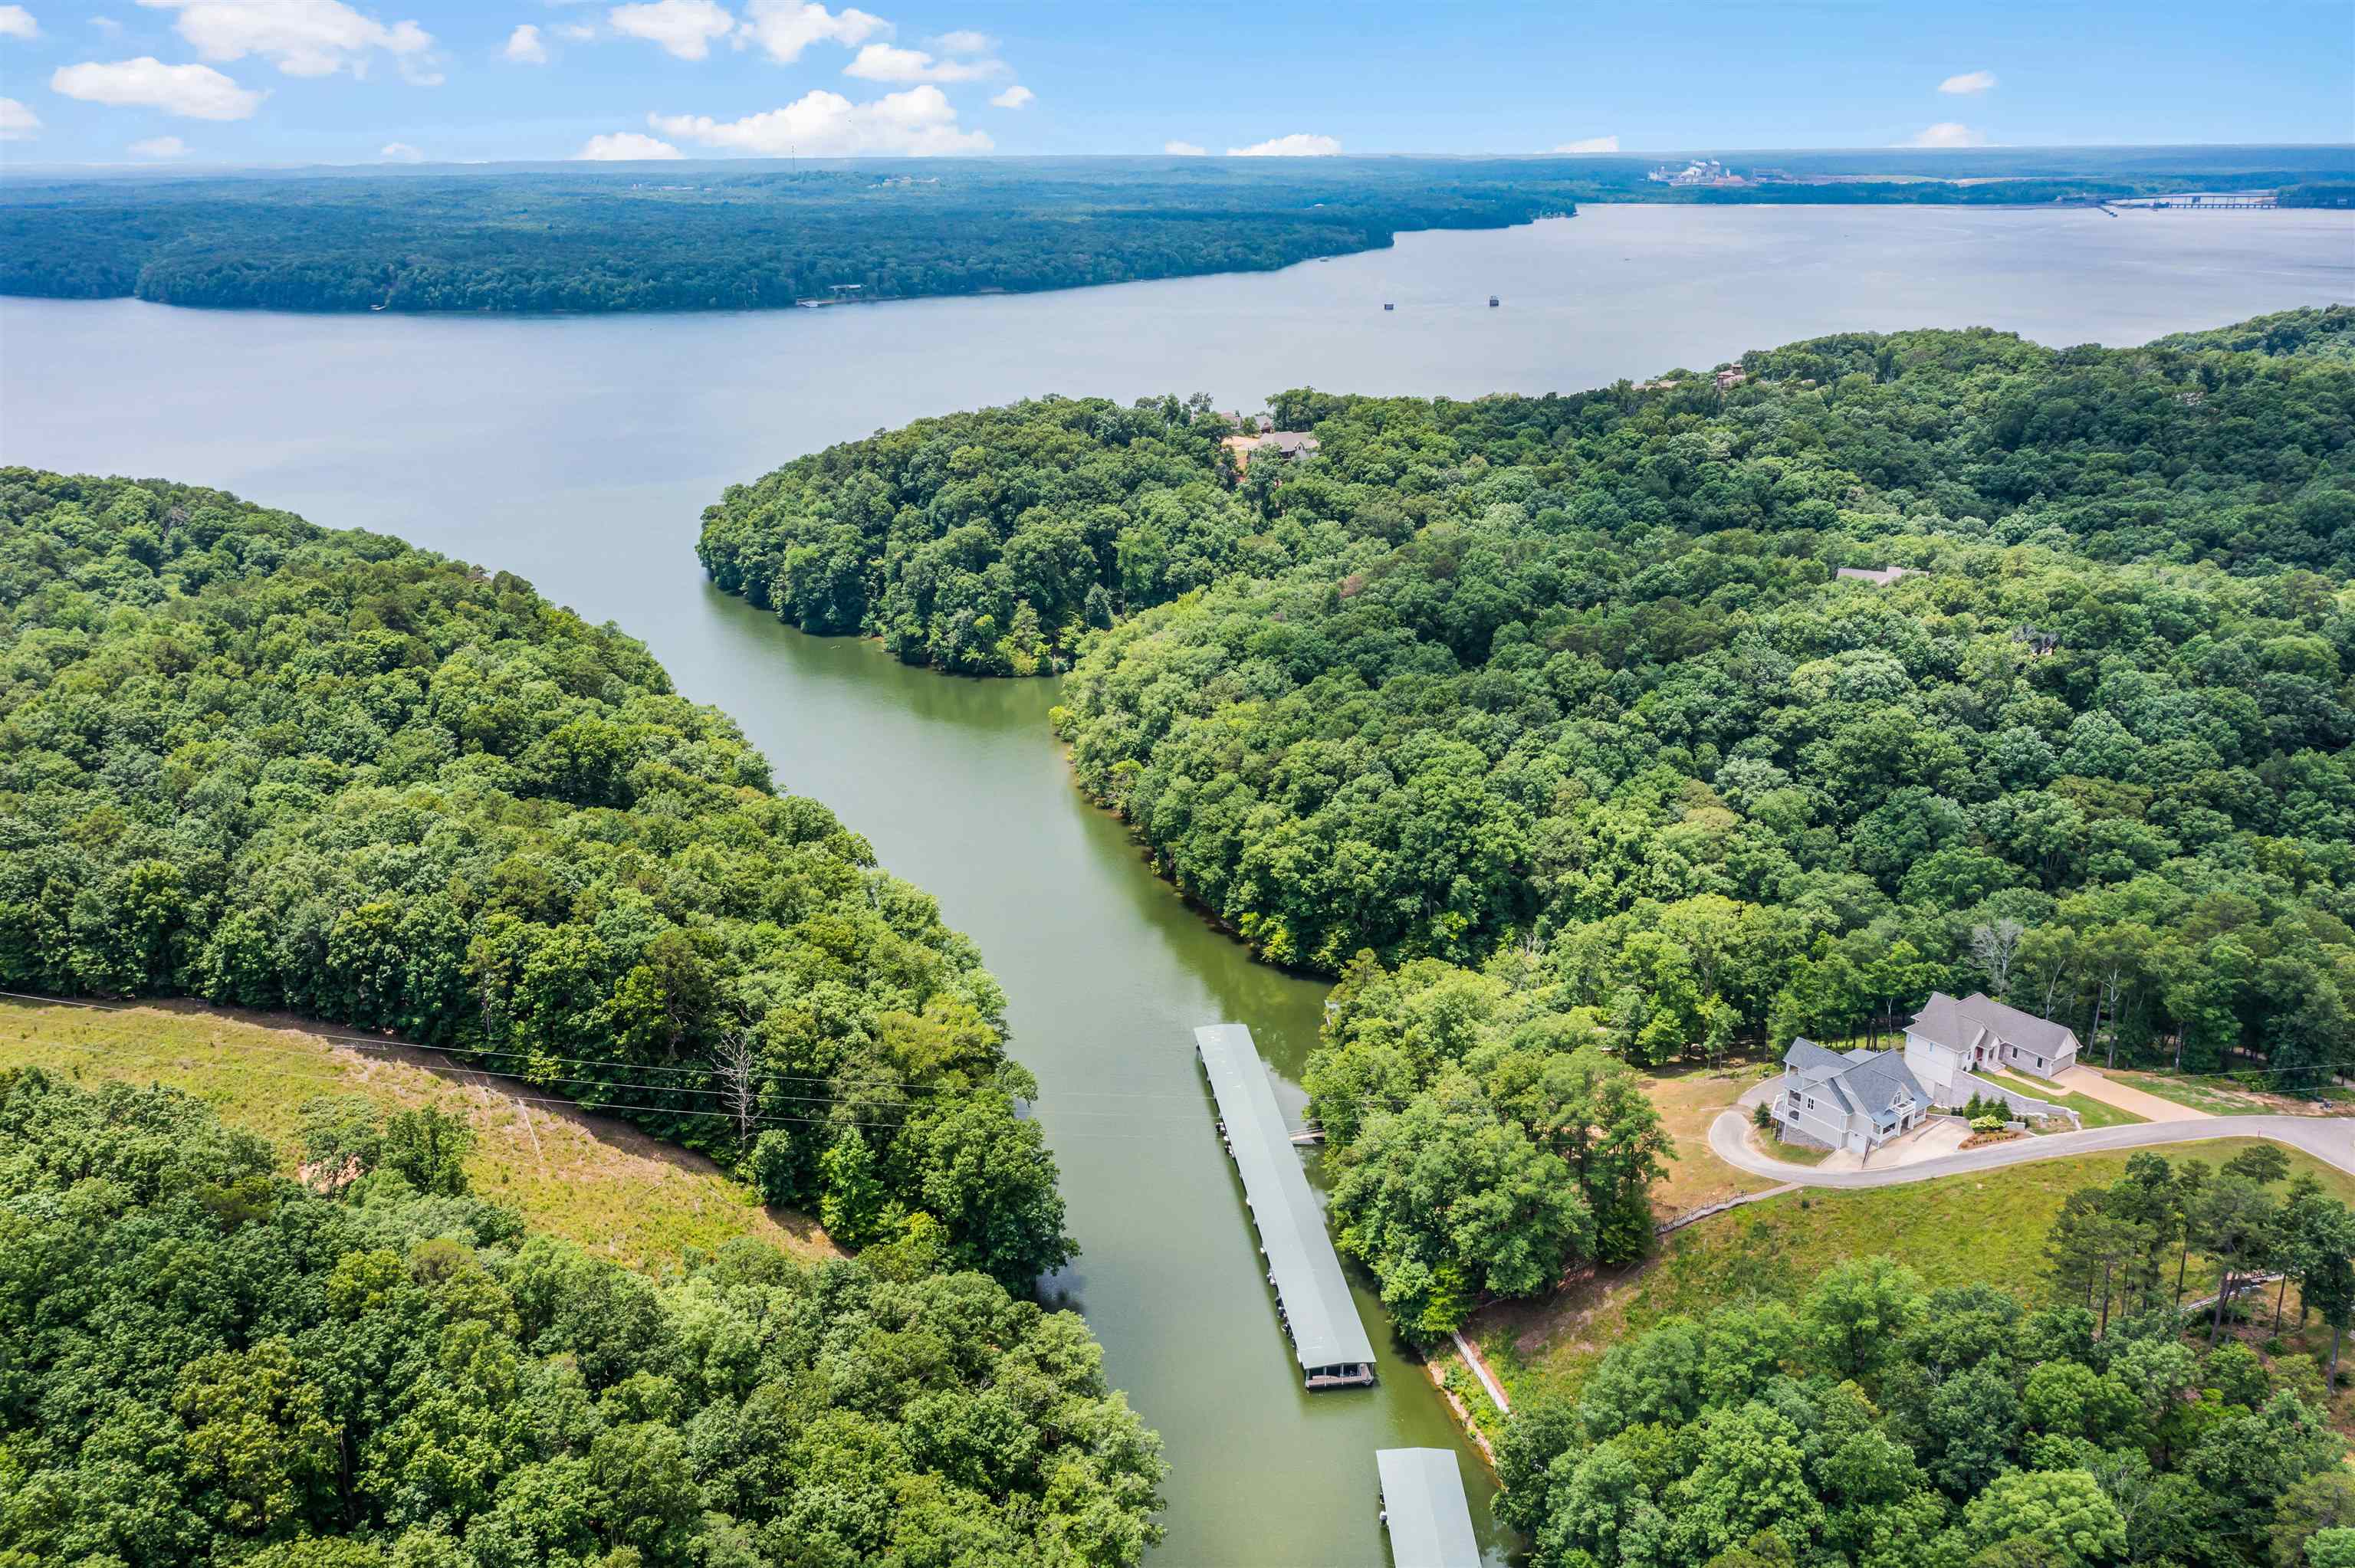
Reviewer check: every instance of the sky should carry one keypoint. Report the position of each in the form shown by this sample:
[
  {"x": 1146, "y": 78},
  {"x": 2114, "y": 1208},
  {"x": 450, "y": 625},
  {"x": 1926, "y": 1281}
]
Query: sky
[{"x": 261, "y": 82}]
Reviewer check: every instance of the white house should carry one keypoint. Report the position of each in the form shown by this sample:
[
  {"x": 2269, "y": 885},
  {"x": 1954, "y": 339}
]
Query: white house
[
  {"x": 1854, "y": 1100},
  {"x": 1950, "y": 1039}
]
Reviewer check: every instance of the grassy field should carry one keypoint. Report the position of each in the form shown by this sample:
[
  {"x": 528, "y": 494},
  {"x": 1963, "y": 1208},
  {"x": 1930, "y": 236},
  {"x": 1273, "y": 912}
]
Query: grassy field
[
  {"x": 1688, "y": 1102},
  {"x": 1987, "y": 1226},
  {"x": 2093, "y": 1112},
  {"x": 606, "y": 1185},
  {"x": 2209, "y": 1097}
]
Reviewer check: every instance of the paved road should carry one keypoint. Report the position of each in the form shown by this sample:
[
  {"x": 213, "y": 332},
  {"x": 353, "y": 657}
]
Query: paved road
[{"x": 2330, "y": 1139}]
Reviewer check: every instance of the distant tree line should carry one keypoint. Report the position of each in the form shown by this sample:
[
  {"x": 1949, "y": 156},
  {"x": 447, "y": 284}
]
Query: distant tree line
[
  {"x": 698, "y": 238},
  {"x": 208, "y": 1361},
  {"x": 250, "y": 761}
]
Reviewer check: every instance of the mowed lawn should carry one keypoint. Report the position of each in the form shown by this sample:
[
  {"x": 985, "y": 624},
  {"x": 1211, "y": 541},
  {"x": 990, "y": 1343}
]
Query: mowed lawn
[
  {"x": 2092, "y": 1112},
  {"x": 1986, "y": 1227},
  {"x": 600, "y": 1182},
  {"x": 1688, "y": 1101}
]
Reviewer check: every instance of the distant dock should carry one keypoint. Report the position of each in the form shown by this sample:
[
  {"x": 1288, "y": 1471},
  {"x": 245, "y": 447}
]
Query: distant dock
[{"x": 1312, "y": 1298}]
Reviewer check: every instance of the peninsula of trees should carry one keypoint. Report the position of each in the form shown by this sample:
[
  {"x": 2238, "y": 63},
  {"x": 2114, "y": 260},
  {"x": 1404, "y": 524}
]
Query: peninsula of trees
[{"x": 250, "y": 761}]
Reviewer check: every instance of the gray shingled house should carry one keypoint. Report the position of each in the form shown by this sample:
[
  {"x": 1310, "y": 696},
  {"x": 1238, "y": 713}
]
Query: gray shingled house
[
  {"x": 1859, "y": 1099},
  {"x": 1952, "y": 1037},
  {"x": 1854, "y": 1100}
]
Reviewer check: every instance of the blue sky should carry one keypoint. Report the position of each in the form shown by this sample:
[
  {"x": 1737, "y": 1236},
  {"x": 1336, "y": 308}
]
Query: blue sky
[{"x": 356, "y": 81}]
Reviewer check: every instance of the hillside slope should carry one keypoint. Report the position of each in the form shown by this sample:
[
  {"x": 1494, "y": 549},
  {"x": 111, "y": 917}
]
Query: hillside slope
[{"x": 592, "y": 1180}]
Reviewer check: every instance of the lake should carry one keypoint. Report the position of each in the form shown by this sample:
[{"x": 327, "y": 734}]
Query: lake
[{"x": 578, "y": 451}]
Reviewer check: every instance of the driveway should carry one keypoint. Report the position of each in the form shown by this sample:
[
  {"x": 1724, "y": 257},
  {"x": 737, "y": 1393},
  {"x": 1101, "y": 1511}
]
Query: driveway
[
  {"x": 2328, "y": 1140},
  {"x": 2090, "y": 1083},
  {"x": 1934, "y": 1139}
]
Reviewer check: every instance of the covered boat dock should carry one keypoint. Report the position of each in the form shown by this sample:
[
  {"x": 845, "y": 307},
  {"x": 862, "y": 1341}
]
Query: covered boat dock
[
  {"x": 1424, "y": 1508},
  {"x": 1312, "y": 1297}
]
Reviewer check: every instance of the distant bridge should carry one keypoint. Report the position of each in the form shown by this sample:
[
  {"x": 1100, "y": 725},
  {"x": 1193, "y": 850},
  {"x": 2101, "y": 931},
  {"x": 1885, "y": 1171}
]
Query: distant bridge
[{"x": 2243, "y": 201}]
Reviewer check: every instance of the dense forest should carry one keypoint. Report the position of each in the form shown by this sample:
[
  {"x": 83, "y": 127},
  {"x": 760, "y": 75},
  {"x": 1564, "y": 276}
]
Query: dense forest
[
  {"x": 248, "y": 759},
  {"x": 2318, "y": 332},
  {"x": 742, "y": 235},
  {"x": 1873, "y": 1424},
  {"x": 1583, "y": 690},
  {"x": 207, "y": 1361},
  {"x": 704, "y": 238},
  {"x": 990, "y": 543},
  {"x": 1480, "y": 1142}
]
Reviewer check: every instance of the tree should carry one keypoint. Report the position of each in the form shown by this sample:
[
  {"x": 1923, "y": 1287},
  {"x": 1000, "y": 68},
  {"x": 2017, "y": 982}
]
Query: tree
[
  {"x": 1858, "y": 1311},
  {"x": 1750, "y": 1477},
  {"x": 2316, "y": 1505},
  {"x": 2326, "y": 1275},
  {"x": 2234, "y": 1222},
  {"x": 1994, "y": 945},
  {"x": 2064, "y": 1512},
  {"x": 427, "y": 1147}
]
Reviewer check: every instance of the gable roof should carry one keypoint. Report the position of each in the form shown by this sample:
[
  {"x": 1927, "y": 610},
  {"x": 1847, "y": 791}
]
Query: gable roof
[
  {"x": 1955, "y": 1022},
  {"x": 1864, "y": 1082},
  {"x": 2020, "y": 1028}
]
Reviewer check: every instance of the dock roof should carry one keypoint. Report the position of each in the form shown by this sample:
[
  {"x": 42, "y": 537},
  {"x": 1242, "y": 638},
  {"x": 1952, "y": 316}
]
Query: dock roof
[
  {"x": 1423, "y": 1503},
  {"x": 1317, "y": 1302}
]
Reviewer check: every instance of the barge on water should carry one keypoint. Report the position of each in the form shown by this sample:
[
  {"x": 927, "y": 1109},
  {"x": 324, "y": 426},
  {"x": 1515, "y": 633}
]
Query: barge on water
[{"x": 1312, "y": 1298}]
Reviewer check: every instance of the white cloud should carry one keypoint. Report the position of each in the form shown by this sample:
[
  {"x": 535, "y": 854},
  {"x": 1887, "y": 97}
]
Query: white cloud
[
  {"x": 1946, "y": 134},
  {"x": 524, "y": 46},
  {"x": 15, "y": 22},
  {"x": 17, "y": 123},
  {"x": 194, "y": 91},
  {"x": 1299, "y": 144},
  {"x": 683, "y": 28},
  {"x": 1185, "y": 150},
  {"x": 919, "y": 123},
  {"x": 401, "y": 152},
  {"x": 625, "y": 146},
  {"x": 106, "y": 25},
  {"x": 160, "y": 147},
  {"x": 888, "y": 62},
  {"x": 1014, "y": 97},
  {"x": 1970, "y": 81},
  {"x": 965, "y": 42},
  {"x": 300, "y": 37},
  {"x": 578, "y": 32},
  {"x": 784, "y": 28},
  {"x": 1590, "y": 145}
]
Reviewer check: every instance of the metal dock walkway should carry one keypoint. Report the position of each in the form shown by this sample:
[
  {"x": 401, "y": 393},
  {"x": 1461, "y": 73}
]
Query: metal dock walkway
[{"x": 1312, "y": 1298}]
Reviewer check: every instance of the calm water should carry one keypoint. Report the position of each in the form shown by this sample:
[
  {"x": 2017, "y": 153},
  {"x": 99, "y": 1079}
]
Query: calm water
[{"x": 578, "y": 452}]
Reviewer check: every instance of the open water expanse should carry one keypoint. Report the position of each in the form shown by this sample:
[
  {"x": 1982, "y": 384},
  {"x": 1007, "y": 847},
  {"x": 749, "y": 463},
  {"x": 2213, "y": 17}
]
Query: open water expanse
[{"x": 579, "y": 452}]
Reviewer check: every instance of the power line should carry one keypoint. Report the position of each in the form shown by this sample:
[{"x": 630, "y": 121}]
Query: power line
[
  {"x": 1055, "y": 1111},
  {"x": 381, "y": 1042}
]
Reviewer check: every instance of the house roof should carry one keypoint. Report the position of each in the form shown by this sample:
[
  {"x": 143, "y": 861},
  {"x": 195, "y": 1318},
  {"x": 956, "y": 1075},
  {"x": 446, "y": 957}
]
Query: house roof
[
  {"x": 2020, "y": 1028},
  {"x": 1955, "y": 1022},
  {"x": 1864, "y": 1082}
]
